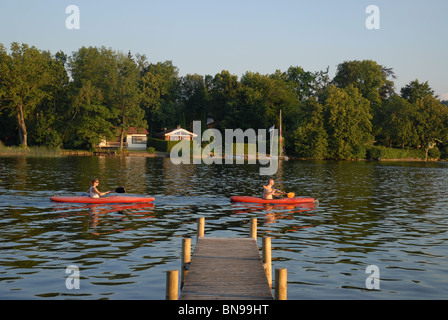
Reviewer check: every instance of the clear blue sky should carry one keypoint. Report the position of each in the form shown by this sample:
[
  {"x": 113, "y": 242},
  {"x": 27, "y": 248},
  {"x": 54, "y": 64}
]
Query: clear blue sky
[{"x": 208, "y": 36}]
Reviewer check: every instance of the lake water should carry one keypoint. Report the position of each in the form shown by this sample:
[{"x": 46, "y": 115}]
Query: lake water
[{"x": 393, "y": 215}]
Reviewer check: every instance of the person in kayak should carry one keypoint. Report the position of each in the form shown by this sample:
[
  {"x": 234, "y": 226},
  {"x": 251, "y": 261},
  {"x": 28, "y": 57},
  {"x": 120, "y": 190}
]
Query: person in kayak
[
  {"x": 93, "y": 190},
  {"x": 269, "y": 191}
]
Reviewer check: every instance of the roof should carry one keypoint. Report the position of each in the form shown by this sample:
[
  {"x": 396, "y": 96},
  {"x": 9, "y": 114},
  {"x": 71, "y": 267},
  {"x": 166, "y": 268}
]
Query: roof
[
  {"x": 176, "y": 132},
  {"x": 133, "y": 130}
]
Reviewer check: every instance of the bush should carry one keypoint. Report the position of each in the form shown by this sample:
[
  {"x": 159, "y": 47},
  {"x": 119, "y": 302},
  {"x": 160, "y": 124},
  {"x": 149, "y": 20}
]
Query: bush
[
  {"x": 434, "y": 153},
  {"x": 381, "y": 152}
]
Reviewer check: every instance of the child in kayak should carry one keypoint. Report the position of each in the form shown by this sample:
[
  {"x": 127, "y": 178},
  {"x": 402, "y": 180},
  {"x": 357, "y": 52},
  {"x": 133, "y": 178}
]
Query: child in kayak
[
  {"x": 269, "y": 191},
  {"x": 93, "y": 191}
]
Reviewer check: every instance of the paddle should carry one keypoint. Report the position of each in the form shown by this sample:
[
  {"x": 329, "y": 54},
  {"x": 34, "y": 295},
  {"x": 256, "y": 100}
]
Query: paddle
[{"x": 288, "y": 194}]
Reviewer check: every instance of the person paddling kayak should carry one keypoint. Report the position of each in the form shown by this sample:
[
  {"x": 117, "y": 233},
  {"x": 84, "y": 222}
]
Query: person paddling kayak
[
  {"x": 93, "y": 190},
  {"x": 269, "y": 191}
]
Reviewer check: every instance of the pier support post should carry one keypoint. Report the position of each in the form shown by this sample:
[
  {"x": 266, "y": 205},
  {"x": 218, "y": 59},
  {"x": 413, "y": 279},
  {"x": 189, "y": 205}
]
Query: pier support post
[
  {"x": 267, "y": 259},
  {"x": 172, "y": 285},
  {"x": 280, "y": 284},
  {"x": 253, "y": 228},
  {"x": 201, "y": 225},
  {"x": 186, "y": 259}
]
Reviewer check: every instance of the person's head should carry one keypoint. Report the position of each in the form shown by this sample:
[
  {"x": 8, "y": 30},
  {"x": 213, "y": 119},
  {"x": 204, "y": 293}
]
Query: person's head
[
  {"x": 94, "y": 181},
  {"x": 271, "y": 182}
]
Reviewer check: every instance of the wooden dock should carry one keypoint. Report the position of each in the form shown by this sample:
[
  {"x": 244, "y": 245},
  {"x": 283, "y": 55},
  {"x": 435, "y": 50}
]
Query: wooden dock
[{"x": 226, "y": 269}]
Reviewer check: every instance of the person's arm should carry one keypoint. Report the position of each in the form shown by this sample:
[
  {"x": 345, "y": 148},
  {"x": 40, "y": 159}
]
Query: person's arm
[
  {"x": 278, "y": 192},
  {"x": 100, "y": 193}
]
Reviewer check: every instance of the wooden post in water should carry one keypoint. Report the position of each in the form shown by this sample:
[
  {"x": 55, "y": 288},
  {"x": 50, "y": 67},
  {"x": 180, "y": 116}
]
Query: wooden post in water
[
  {"x": 267, "y": 259},
  {"x": 201, "y": 224},
  {"x": 172, "y": 285},
  {"x": 253, "y": 228},
  {"x": 186, "y": 259},
  {"x": 280, "y": 284}
]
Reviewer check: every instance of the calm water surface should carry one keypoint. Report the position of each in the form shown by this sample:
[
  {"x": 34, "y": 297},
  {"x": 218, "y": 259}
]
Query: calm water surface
[{"x": 392, "y": 215}]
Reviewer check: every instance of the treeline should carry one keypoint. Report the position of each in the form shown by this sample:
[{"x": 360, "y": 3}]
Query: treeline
[{"x": 72, "y": 102}]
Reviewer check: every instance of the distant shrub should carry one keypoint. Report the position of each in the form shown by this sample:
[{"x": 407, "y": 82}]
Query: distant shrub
[{"x": 381, "y": 152}]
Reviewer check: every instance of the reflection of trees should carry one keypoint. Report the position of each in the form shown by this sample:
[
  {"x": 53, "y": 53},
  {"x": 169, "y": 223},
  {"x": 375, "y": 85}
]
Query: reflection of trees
[{"x": 178, "y": 179}]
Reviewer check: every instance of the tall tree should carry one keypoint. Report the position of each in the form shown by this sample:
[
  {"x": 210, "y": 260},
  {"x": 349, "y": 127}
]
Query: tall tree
[
  {"x": 347, "y": 122},
  {"x": 194, "y": 97},
  {"x": 92, "y": 94},
  {"x": 372, "y": 80},
  {"x": 432, "y": 118},
  {"x": 416, "y": 90},
  {"x": 397, "y": 119},
  {"x": 127, "y": 97},
  {"x": 310, "y": 137},
  {"x": 24, "y": 78},
  {"x": 223, "y": 89},
  {"x": 159, "y": 85}
]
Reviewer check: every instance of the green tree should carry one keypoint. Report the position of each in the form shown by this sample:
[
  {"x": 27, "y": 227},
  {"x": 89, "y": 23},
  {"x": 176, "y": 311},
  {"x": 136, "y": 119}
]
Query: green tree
[
  {"x": 127, "y": 97},
  {"x": 193, "y": 97},
  {"x": 398, "y": 118},
  {"x": 347, "y": 122},
  {"x": 310, "y": 137},
  {"x": 223, "y": 89},
  {"x": 159, "y": 87},
  {"x": 371, "y": 79},
  {"x": 24, "y": 78},
  {"x": 431, "y": 121},
  {"x": 47, "y": 126},
  {"x": 92, "y": 96},
  {"x": 416, "y": 90}
]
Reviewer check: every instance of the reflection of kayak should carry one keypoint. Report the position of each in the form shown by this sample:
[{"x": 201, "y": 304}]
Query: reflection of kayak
[
  {"x": 111, "y": 199},
  {"x": 271, "y": 201}
]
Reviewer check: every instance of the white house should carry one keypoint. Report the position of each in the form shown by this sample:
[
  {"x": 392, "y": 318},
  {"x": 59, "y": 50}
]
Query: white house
[
  {"x": 176, "y": 134},
  {"x": 134, "y": 139}
]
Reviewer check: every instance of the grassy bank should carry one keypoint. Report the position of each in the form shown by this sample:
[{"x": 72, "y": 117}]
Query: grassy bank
[
  {"x": 37, "y": 151},
  {"x": 384, "y": 153}
]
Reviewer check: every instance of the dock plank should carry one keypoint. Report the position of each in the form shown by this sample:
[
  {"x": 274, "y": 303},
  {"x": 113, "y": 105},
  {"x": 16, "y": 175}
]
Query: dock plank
[{"x": 226, "y": 268}]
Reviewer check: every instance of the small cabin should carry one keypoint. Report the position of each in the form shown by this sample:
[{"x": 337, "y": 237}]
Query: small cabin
[
  {"x": 134, "y": 139},
  {"x": 176, "y": 134}
]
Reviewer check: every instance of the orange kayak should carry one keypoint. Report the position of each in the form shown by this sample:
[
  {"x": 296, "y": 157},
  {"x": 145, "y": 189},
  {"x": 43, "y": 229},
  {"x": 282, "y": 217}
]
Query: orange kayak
[
  {"x": 111, "y": 199},
  {"x": 271, "y": 201}
]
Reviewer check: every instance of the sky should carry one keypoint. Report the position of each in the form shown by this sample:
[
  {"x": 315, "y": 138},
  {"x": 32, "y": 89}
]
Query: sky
[{"x": 206, "y": 37}]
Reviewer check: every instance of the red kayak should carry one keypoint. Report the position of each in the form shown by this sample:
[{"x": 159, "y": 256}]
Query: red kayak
[
  {"x": 111, "y": 199},
  {"x": 271, "y": 201}
]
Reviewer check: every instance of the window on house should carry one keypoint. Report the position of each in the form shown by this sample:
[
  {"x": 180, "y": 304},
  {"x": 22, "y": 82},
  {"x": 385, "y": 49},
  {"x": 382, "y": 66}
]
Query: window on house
[{"x": 139, "y": 140}]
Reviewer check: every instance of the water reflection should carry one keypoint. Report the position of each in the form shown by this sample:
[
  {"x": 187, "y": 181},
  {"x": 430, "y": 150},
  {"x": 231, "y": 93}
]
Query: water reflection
[
  {"x": 393, "y": 215},
  {"x": 119, "y": 217}
]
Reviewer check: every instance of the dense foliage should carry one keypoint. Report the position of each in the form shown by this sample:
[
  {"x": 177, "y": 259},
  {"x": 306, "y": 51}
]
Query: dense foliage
[{"x": 74, "y": 101}]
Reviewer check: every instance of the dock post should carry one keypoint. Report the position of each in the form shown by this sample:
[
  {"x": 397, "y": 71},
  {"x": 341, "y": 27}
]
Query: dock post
[
  {"x": 280, "y": 284},
  {"x": 172, "y": 284},
  {"x": 186, "y": 259},
  {"x": 253, "y": 228},
  {"x": 267, "y": 259},
  {"x": 201, "y": 224}
]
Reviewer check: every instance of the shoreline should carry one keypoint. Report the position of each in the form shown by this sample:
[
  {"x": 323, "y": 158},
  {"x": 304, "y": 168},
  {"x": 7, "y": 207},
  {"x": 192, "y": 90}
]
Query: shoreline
[{"x": 57, "y": 153}]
